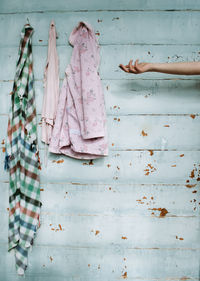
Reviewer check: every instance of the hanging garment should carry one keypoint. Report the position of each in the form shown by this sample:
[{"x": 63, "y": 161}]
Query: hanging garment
[
  {"x": 22, "y": 156},
  {"x": 80, "y": 126},
  {"x": 51, "y": 87}
]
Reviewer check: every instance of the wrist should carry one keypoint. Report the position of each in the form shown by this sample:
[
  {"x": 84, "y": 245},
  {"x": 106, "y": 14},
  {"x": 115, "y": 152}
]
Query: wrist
[{"x": 151, "y": 66}]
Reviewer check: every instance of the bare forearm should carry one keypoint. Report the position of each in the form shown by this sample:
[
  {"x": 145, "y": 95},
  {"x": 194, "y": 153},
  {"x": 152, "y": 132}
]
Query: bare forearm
[{"x": 180, "y": 68}]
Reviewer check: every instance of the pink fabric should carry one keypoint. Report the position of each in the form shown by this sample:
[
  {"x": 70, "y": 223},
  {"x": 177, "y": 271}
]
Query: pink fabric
[
  {"x": 51, "y": 87},
  {"x": 80, "y": 126}
]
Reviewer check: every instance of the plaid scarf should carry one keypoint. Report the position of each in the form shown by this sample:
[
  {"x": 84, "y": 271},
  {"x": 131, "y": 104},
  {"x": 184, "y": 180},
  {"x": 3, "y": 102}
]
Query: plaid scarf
[{"x": 22, "y": 156}]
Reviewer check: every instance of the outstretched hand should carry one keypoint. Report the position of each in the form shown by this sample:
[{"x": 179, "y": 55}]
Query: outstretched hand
[{"x": 136, "y": 68}]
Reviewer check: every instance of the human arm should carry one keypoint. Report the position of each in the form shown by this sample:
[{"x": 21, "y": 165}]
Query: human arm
[{"x": 180, "y": 68}]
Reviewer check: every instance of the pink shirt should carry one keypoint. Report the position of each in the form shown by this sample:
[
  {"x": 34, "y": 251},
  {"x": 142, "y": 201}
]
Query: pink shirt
[
  {"x": 51, "y": 87},
  {"x": 80, "y": 125}
]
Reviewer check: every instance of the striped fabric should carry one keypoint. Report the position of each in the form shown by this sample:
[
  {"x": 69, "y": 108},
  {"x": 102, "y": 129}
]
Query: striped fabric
[{"x": 22, "y": 156}]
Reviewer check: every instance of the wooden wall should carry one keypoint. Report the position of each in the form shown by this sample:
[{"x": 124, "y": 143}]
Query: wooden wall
[{"x": 135, "y": 214}]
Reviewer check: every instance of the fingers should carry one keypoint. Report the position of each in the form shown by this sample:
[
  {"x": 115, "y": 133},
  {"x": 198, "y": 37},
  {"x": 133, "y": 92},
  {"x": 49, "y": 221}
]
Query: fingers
[
  {"x": 124, "y": 67},
  {"x": 131, "y": 67}
]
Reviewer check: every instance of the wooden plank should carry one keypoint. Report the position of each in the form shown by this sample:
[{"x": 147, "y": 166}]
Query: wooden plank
[
  {"x": 145, "y": 132},
  {"x": 168, "y": 27},
  {"x": 166, "y": 167},
  {"x": 104, "y": 231},
  {"x": 124, "y": 97},
  {"x": 115, "y": 199},
  {"x": 111, "y": 57},
  {"x": 49, "y": 5},
  {"x": 105, "y": 263}
]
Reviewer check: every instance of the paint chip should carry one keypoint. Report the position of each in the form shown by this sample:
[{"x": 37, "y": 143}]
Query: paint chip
[
  {"x": 162, "y": 211},
  {"x": 124, "y": 237},
  {"x": 124, "y": 275},
  {"x": 151, "y": 152},
  {"x": 190, "y": 185},
  {"x": 181, "y": 155},
  {"x": 192, "y": 174},
  {"x": 51, "y": 259},
  {"x": 144, "y": 134},
  {"x": 192, "y": 116},
  {"x": 97, "y": 232}
]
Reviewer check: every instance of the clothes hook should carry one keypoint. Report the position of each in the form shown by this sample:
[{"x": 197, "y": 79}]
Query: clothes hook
[{"x": 27, "y": 19}]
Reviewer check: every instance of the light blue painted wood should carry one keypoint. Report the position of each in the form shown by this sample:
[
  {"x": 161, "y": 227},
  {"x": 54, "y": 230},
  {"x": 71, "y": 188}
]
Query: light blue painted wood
[
  {"x": 166, "y": 167},
  {"x": 111, "y": 56},
  {"x": 112, "y": 27},
  {"x": 144, "y": 132},
  {"x": 14, "y": 6},
  {"x": 123, "y": 194},
  {"x": 140, "y": 96},
  {"x": 106, "y": 263},
  {"x": 115, "y": 199}
]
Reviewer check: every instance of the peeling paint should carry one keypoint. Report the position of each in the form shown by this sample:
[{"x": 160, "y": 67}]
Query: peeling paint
[
  {"x": 190, "y": 185},
  {"x": 3, "y": 149},
  {"x": 179, "y": 238},
  {"x": 192, "y": 116},
  {"x": 181, "y": 155},
  {"x": 149, "y": 169},
  {"x": 151, "y": 152},
  {"x": 143, "y": 133},
  {"x": 97, "y": 33},
  {"x": 97, "y": 232},
  {"x": 124, "y": 275},
  {"x": 167, "y": 126},
  {"x": 3, "y": 141},
  {"x": 192, "y": 174},
  {"x": 41, "y": 189},
  {"x": 51, "y": 259},
  {"x": 162, "y": 211},
  {"x": 173, "y": 165},
  {"x": 90, "y": 163},
  {"x": 124, "y": 238},
  {"x": 58, "y": 161}
]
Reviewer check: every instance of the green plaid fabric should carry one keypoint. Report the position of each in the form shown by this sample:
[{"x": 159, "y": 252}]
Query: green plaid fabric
[{"x": 22, "y": 156}]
